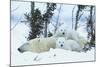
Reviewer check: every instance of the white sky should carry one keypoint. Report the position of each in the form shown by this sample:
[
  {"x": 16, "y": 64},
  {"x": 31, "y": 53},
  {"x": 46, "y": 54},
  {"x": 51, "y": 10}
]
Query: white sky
[
  {"x": 23, "y": 7},
  {"x": 18, "y": 9}
]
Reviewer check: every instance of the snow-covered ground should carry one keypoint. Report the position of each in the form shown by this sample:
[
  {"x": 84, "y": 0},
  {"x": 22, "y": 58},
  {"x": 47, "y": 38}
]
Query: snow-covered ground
[
  {"x": 18, "y": 37},
  {"x": 19, "y": 34}
]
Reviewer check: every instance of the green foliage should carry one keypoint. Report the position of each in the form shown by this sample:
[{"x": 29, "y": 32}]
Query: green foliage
[
  {"x": 48, "y": 15},
  {"x": 90, "y": 28},
  {"x": 35, "y": 22},
  {"x": 50, "y": 7},
  {"x": 81, "y": 7},
  {"x": 78, "y": 14},
  {"x": 50, "y": 34}
]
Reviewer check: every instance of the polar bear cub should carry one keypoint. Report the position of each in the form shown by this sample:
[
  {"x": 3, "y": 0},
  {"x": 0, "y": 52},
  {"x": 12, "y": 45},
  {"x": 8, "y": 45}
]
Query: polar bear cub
[
  {"x": 63, "y": 31},
  {"x": 71, "y": 45}
]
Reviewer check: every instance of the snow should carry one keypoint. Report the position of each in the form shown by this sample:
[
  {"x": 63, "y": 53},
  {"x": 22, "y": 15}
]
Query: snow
[
  {"x": 18, "y": 35},
  {"x": 21, "y": 31}
]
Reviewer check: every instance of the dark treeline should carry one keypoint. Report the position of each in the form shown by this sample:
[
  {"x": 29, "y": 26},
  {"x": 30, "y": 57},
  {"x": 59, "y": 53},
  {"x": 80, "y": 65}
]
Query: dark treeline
[
  {"x": 38, "y": 21},
  {"x": 90, "y": 25}
]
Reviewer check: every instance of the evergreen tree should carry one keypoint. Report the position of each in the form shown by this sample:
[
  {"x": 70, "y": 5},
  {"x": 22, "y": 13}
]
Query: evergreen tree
[
  {"x": 50, "y": 34},
  {"x": 48, "y": 15},
  {"x": 35, "y": 19},
  {"x": 90, "y": 28},
  {"x": 78, "y": 15},
  {"x": 90, "y": 23}
]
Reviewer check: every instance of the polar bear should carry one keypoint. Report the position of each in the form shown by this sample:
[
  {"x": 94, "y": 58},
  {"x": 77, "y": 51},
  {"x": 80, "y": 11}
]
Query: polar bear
[
  {"x": 60, "y": 32},
  {"x": 71, "y": 45},
  {"x": 64, "y": 31},
  {"x": 38, "y": 45},
  {"x": 71, "y": 34}
]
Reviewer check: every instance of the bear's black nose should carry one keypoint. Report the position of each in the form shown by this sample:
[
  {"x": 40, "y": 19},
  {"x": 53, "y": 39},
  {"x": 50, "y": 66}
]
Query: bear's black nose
[
  {"x": 61, "y": 45},
  {"x": 63, "y": 33},
  {"x": 19, "y": 49}
]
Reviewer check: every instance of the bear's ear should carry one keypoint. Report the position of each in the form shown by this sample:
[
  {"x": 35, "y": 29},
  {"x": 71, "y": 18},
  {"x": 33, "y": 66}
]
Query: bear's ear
[
  {"x": 56, "y": 39},
  {"x": 26, "y": 43},
  {"x": 38, "y": 40},
  {"x": 66, "y": 38}
]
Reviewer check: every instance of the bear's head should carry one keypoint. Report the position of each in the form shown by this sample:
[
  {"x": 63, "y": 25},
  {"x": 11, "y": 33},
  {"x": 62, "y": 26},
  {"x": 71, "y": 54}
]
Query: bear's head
[
  {"x": 60, "y": 42},
  {"x": 61, "y": 31},
  {"x": 25, "y": 47},
  {"x": 29, "y": 46}
]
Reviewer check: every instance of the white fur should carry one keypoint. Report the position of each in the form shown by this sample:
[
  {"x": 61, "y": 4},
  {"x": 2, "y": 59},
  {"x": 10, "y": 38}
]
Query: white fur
[
  {"x": 61, "y": 32},
  {"x": 38, "y": 45},
  {"x": 71, "y": 45},
  {"x": 70, "y": 34}
]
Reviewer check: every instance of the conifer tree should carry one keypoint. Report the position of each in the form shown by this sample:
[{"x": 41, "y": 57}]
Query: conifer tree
[
  {"x": 48, "y": 15},
  {"x": 35, "y": 22}
]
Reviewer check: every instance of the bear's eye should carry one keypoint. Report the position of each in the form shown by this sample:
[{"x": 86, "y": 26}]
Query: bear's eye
[
  {"x": 59, "y": 42},
  {"x": 63, "y": 42},
  {"x": 26, "y": 43},
  {"x": 61, "y": 30}
]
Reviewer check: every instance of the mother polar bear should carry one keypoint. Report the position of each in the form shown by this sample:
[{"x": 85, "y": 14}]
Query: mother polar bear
[{"x": 38, "y": 45}]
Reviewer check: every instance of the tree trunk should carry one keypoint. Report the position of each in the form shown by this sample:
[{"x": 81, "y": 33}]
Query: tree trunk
[
  {"x": 73, "y": 17},
  {"x": 32, "y": 8},
  {"x": 91, "y": 26},
  {"x": 77, "y": 18},
  {"x": 45, "y": 31},
  {"x": 57, "y": 22}
]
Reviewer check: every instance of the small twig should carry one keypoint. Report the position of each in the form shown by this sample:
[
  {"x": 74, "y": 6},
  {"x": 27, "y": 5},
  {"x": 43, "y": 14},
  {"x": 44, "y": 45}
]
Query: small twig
[
  {"x": 81, "y": 15},
  {"x": 53, "y": 24},
  {"x": 35, "y": 58},
  {"x": 54, "y": 55},
  {"x": 14, "y": 9},
  {"x": 14, "y": 26}
]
